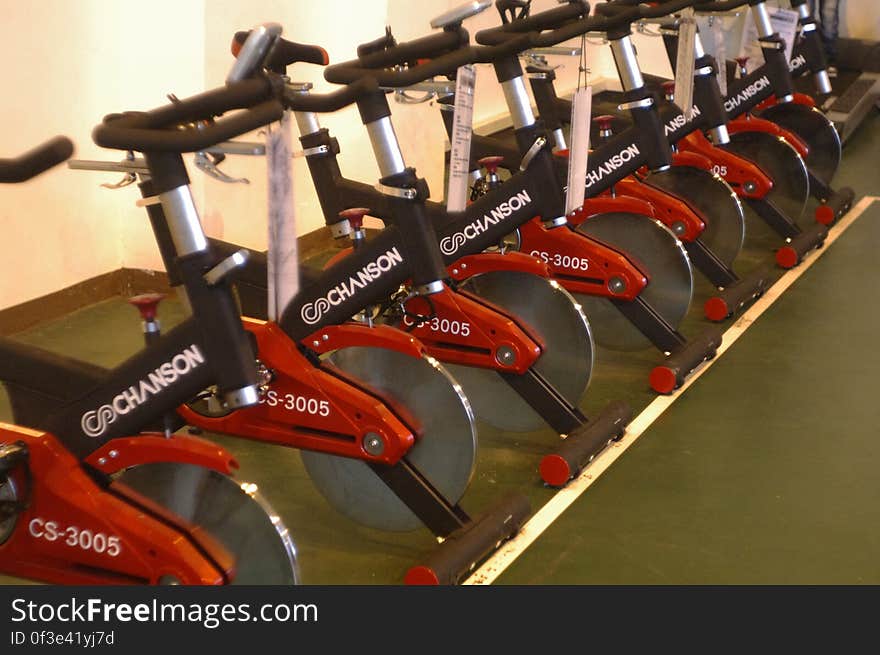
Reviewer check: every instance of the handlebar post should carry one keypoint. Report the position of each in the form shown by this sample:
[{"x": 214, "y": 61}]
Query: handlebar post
[
  {"x": 386, "y": 147},
  {"x": 627, "y": 63},
  {"x": 762, "y": 20},
  {"x": 518, "y": 102},
  {"x": 307, "y": 122}
]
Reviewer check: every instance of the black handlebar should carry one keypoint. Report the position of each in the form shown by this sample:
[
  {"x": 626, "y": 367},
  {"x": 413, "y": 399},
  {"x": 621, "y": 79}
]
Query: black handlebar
[
  {"x": 35, "y": 161},
  {"x": 663, "y": 8},
  {"x": 350, "y": 71},
  {"x": 325, "y": 103},
  {"x": 147, "y": 131},
  {"x": 724, "y": 5}
]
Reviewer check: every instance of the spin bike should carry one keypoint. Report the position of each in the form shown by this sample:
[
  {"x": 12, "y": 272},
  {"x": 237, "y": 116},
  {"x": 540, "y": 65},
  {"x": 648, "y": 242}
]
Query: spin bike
[
  {"x": 88, "y": 494},
  {"x": 638, "y": 314},
  {"x": 710, "y": 224},
  {"x": 383, "y": 429},
  {"x": 622, "y": 281},
  {"x": 487, "y": 347}
]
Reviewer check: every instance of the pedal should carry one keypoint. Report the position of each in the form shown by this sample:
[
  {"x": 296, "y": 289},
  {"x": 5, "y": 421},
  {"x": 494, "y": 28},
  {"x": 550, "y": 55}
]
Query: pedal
[
  {"x": 791, "y": 254},
  {"x": 738, "y": 296},
  {"x": 584, "y": 443},
  {"x": 464, "y": 549},
  {"x": 670, "y": 375},
  {"x": 836, "y": 206}
]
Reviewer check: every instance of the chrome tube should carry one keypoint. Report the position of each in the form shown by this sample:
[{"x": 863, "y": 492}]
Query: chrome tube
[
  {"x": 762, "y": 19},
  {"x": 627, "y": 64},
  {"x": 307, "y": 122},
  {"x": 183, "y": 221},
  {"x": 518, "y": 102},
  {"x": 386, "y": 148},
  {"x": 822, "y": 81}
]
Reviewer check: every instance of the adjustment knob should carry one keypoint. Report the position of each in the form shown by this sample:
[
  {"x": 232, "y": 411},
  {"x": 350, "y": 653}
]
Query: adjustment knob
[
  {"x": 491, "y": 164},
  {"x": 668, "y": 89},
  {"x": 355, "y": 216},
  {"x": 604, "y": 122},
  {"x": 147, "y": 304},
  {"x": 741, "y": 62}
]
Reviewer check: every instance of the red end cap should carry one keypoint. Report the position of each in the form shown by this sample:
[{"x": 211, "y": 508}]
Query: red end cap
[
  {"x": 668, "y": 87},
  {"x": 421, "y": 575},
  {"x": 147, "y": 304},
  {"x": 563, "y": 153},
  {"x": 355, "y": 216},
  {"x": 787, "y": 257},
  {"x": 326, "y": 56},
  {"x": 604, "y": 121},
  {"x": 555, "y": 471},
  {"x": 491, "y": 164},
  {"x": 662, "y": 379},
  {"x": 716, "y": 309},
  {"x": 824, "y": 214}
]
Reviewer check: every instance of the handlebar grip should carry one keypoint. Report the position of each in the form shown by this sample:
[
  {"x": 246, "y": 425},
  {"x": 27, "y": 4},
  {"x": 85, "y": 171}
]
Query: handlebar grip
[
  {"x": 328, "y": 102},
  {"x": 285, "y": 53},
  {"x": 35, "y": 161},
  {"x": 146, "y": 139}
]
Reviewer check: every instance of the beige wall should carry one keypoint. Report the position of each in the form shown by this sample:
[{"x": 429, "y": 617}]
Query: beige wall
[
  {"x": 76, "y": 61},
  {"x": 66, "y": 64}
]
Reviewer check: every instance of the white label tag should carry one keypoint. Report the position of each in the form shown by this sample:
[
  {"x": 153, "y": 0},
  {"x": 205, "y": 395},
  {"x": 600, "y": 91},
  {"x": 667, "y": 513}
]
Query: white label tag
[
  {"x": 578, "y": 149},
  {"x": 684, "y": 62},
  {"x": 283, "y": 260},
  {"x": 783, "y": 21},
  {"x": 462, "y": 131},
  {"x": 717, "y": 32}
]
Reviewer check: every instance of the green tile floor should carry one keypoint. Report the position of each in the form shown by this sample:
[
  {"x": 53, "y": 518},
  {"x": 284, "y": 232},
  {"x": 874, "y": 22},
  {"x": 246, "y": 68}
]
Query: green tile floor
[{"x": 763, "y": 472}]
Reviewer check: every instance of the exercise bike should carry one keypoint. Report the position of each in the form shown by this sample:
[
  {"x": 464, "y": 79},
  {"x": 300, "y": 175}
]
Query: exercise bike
[
  {"x": 90, "y": 495},
  {"x": 384, "y": 431}
]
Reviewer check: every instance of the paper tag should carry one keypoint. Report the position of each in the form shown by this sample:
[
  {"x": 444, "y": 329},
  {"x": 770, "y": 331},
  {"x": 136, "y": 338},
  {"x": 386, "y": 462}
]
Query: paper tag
[
  {"x": 684, "y": 62},
  {"x": 720, "y": 53},
  {"x": 783, "y": 21},
  {"x": 578, "y": 149},
  {"x": 462, "y": 131},
  {"x": 283, "y": 260}
]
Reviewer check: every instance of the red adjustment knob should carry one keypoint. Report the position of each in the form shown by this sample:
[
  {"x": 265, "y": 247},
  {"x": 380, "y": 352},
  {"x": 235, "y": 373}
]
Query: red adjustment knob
[
  {"x": 668, "y": 87},
  {"x": 147, "y": 304},
  {"x": 741, "y": 61},
  {"x": 491, "y": 164},
  {"x": 604, "y": 122},
  {"x": 355, "y": 216}
]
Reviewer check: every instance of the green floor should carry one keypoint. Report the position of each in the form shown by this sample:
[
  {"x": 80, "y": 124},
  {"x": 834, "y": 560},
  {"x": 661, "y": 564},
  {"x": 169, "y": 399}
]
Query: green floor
[{"x": 763, "y": 472}]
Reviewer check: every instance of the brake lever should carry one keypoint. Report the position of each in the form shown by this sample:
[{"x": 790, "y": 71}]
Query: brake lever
[
  {"x": 127, "y": 179},
  {"x": 208, "y": 166}
]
